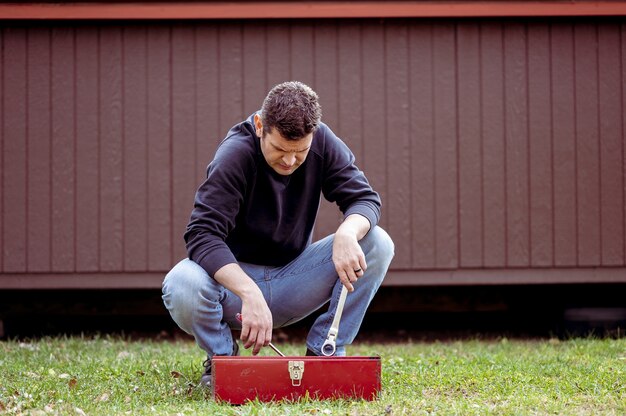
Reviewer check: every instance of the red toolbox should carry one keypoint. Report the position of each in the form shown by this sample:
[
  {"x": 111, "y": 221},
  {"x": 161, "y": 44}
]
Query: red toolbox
[{"x": 238, "y": 379}]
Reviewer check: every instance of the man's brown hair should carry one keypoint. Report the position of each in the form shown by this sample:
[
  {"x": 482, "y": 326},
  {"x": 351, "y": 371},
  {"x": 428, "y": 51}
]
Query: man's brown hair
[{"x": 293, "y": 109}]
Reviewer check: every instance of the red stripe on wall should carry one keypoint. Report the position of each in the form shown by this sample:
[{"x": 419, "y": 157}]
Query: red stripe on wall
[{"x": 308, "y": 9}]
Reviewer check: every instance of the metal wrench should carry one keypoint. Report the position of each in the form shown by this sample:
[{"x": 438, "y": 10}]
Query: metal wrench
[{"x": 330, "y": 346}]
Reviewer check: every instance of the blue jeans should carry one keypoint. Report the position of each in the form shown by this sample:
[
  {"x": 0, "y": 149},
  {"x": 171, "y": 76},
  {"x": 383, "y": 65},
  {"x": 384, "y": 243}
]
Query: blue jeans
[{"x": 207, "y": 310}]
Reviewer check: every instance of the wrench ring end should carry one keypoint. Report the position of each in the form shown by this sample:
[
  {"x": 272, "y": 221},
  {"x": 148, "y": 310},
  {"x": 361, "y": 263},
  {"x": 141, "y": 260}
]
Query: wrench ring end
[{"x": 328, "y": 349}]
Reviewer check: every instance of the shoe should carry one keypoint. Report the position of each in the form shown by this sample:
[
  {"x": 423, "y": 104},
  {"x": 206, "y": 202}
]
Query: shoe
[
  {"x": 310, "y": 353},
  {"x": 205, "y": 379}
]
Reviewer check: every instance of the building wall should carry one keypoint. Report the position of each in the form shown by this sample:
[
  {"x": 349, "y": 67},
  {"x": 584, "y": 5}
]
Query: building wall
[{"x": 497, "y": 146}]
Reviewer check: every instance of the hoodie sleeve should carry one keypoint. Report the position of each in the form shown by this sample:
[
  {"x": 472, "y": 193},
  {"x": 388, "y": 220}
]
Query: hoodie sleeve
[{"x": 216, "y": 205}]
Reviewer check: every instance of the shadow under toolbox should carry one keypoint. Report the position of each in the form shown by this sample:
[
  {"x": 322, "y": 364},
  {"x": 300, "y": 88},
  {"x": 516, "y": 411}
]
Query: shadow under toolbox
[{"x": 238, "y": 379}]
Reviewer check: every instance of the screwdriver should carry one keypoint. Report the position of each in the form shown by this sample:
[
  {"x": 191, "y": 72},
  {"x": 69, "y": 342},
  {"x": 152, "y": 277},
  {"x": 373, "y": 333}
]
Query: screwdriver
[{"x": 240, "y": 319}]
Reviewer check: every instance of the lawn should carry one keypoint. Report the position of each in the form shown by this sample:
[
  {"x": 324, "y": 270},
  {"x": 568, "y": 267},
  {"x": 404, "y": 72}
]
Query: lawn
[{"x": 113, "y": 375}]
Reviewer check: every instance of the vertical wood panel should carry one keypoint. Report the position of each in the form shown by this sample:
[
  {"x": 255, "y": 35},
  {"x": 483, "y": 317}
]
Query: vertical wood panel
[
  {"x": 540, "y": 145},
  {"x": 277, "y": 53},
  {"x": 63, "y": 150},
  {"x": 135, "y": 149},
  {"x": 231, "y": 73},
  {"x": 326, "y": 84},
  {"x": 611, "y": 146},
  {"x": 183, "y": 132},
  {"x": 587, "y": 146},
  {"x": 255, "y": 70},
  {"x": 207, "y": 70},
  {"x": 564, "y": 157},
  {"x": 301, "y": 54},
  {"x": 111, "y": 150},
  {"x": 373, "y": 79},
  {"x": 470, "y": 186},
  {"x": 326, "y": 70},
  {"x": 88, "y": 210},
  {"x": 623, "y": 119},
  {"x": 39, "y": 204},
  {"x": 2, "y": 164},
  {"x": 398, "y": 141},
  {"x": 14, "y": 152},
  {"x": 516, "y": 121},
  {"x": 422, "y": 147},
  {"x": 446, "y": 167},
  {"x": 492, "y": 84},
  {"x": 160, "y": 234},
  {"x": 350, "y": 99}
]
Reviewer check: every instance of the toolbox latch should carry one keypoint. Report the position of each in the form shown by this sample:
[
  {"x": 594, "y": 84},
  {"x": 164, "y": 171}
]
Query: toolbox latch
[{"x": 296, "y": 369}]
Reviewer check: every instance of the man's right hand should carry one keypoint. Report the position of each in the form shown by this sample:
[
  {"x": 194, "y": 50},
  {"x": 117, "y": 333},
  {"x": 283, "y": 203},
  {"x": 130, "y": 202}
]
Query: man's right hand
[{"x": 256, "y": 325}]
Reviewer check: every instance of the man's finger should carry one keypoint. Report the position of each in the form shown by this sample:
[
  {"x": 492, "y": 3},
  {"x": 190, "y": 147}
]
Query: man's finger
[
  {"x": 245, "y": 332},
  {"x": 361, "y": 267},
  {"x": 358, "y": 270},
  {"x": 258, "y": 344},
  {"x": 345, "y": 280},
  {"x": 354, "y": 272},
  {"x": 268, "y": 337},
  {"x": 251, "y": 340}
]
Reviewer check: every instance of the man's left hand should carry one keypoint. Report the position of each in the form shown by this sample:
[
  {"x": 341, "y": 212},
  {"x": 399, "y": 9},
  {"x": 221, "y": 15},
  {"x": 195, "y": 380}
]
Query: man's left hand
[{"x": 348, "y": 256}]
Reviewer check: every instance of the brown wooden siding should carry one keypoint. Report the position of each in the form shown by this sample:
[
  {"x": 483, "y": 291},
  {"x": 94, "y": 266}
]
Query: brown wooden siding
[{"x": 497, "y": 146}]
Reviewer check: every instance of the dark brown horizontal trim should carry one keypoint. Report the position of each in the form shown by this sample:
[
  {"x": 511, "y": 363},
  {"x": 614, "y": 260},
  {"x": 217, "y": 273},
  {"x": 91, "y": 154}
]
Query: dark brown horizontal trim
[
  {"x": 505, "y": 276},
  {"x": 81, "y": 280},
  {"x": 394, "y": 278},
  {"x": 306, "y": 9}
]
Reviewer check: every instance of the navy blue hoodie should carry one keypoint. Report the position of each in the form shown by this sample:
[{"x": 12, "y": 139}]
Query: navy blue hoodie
[{"x": 245, "y": 211}]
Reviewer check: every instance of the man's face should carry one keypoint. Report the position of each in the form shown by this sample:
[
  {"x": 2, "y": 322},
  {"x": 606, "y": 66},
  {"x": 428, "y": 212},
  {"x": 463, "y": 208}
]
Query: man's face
[{"x": 284, "y": 156}]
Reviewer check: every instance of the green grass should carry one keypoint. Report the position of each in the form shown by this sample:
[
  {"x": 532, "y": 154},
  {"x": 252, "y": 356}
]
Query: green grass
[{"x": 112, "y": 375}]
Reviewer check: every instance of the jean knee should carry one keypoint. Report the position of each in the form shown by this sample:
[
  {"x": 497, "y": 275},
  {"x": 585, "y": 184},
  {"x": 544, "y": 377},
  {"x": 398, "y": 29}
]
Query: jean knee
[
  {"x": 382, "y": 244},
  {"x": 181, "y": 288},
  {"x": 177, "y": 279}
]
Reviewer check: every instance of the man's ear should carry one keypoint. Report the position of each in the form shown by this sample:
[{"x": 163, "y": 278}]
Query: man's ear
[{"x": 259, "y": 125}]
